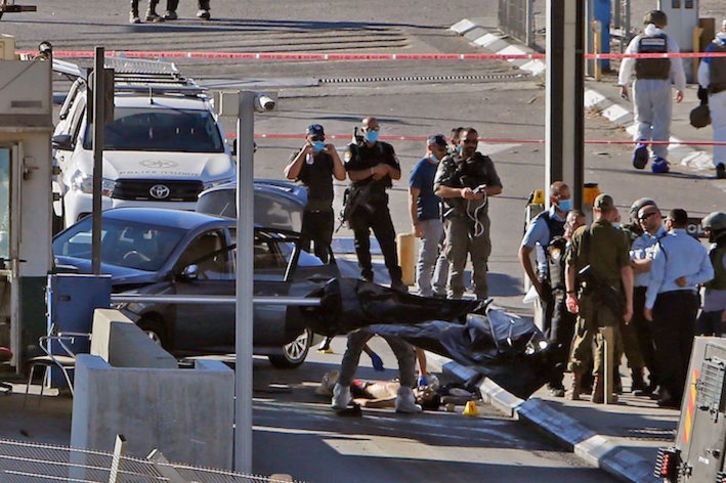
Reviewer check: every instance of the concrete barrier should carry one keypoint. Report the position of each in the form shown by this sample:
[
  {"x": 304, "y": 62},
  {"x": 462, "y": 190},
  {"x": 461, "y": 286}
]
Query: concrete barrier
[{"x": 185, "y": 413}]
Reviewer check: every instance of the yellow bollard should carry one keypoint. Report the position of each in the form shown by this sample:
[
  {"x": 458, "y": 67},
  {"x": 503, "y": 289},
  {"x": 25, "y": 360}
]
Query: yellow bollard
[
  {"x": 407, "y": 257},
  {"x": 596, "y": 39}
]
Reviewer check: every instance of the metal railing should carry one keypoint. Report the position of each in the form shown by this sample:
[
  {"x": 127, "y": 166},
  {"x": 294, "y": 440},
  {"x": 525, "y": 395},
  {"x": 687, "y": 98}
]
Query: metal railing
[
  {"x": 516, "y": 19},
  {"x": 22, "y": 462}
]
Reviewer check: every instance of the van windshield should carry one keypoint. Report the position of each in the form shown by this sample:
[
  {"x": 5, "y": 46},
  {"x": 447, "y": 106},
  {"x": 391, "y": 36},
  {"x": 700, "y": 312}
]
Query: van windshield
[{"x": 159, "y": 129}]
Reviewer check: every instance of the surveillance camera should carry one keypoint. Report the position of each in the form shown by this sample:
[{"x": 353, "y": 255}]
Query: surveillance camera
[{"x": 264, "y": 103}]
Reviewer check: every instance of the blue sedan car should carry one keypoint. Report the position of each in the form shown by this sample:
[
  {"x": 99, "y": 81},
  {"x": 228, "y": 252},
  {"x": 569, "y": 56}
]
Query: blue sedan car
[{"x": 159, "y": 251}]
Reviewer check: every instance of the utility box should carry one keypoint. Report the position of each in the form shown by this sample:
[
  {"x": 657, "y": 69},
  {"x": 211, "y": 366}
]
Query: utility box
[
  {"x": 682, "y": 21},
  {"x": 698, "y": 454}
]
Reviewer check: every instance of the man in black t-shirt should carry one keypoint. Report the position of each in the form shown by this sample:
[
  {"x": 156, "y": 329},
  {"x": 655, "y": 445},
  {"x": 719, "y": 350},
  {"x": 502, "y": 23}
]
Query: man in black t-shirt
[
  {"x": 371, "y": 167},
  {"x": 315, "y": 165}
]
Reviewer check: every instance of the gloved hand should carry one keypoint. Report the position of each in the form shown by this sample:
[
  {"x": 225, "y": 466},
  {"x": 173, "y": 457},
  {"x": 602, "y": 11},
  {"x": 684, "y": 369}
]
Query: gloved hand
[
  {"x": 376, "y": 361},
  {"x": 422, "y": 381}
]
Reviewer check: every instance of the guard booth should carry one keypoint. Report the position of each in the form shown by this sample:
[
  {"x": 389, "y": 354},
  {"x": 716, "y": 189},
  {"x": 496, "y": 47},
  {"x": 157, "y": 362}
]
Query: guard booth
[
  {"x": 25, "y": 197},
  {"x": 682, "y": 22},
  {"x": 698, "y": 453}
]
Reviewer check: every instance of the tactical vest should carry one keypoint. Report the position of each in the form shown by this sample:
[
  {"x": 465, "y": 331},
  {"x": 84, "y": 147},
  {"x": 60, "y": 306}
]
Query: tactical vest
[
  {"x": 653, "y": 68},
  {"x": 556, "y": 251},
  {"x": 717, "y": 69},
  {"x": 716, "y": 254},
  {"x": 557, "y": 230}
]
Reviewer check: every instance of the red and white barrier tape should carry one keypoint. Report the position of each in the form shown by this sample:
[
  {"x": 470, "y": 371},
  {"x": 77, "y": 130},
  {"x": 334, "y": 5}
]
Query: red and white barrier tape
[
  {"x": 314, "y": 56},
  {"x": 416, "y": 138}
]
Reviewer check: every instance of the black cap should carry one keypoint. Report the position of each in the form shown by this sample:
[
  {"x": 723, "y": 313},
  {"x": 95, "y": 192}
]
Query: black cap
[
  {"x": 315, "y": 130},
  {"x": 437, "y": 140}
]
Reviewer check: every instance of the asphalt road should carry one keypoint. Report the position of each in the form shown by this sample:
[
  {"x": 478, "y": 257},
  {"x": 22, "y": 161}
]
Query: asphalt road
[{"x": 297, "y": 433}]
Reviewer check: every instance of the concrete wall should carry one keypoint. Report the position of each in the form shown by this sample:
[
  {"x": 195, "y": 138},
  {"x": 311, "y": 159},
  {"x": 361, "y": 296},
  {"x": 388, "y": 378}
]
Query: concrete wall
[{"x": 185, "y": 413}]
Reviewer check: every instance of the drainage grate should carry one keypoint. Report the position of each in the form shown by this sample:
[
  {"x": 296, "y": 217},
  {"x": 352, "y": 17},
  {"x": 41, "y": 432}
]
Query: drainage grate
[{"x": 425, "y": 78}]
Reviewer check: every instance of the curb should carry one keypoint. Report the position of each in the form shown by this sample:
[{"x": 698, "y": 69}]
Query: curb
[
  {"x": 595, "y": 449},
  {"x": 696, "y": 159}
]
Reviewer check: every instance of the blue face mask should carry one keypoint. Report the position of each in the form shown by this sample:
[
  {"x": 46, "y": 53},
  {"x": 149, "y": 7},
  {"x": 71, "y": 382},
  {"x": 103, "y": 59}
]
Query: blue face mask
[
  {"x": 564, "y": 205},
  {"x": 458, "y": 149},
  {"x": 318, "y": 146},
  {"x": 371, "y": 136}
]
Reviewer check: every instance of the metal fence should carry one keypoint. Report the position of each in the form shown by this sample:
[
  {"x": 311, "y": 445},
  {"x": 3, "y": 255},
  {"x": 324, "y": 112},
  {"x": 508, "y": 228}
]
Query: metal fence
[
  {"x": 22, "y": 462},
  {"x": 516, "y": 19}
]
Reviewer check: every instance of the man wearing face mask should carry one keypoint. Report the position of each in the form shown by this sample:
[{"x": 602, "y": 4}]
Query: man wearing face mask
[
  {"x": 372, "y": 165},
  {"x": 599, "y": 284},
  {"x": 541, "y": 230},
  {"x": 315, "y": 165},
  {"x": 425, "y": 209},
  {"x": 464, "y": 181}
]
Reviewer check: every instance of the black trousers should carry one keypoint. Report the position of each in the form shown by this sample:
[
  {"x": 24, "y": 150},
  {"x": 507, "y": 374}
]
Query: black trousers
[
  {"x": 674, "y": 319},
  {"x": 560, "y": 333},
  {"x": 378, "y": 218},
  {"x": 317, "y": 227},
  {"x": 644, "y": 332}
]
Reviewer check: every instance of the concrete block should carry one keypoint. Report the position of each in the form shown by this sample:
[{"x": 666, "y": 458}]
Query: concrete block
[
  {"x": 489, "y": 40},
  {"x": 462, "y": 26},
  {"x": 594, "y": 99},
  {"x": 475, "y": 33},
  {"x": 618, "y": 115},
  {"x": 122, "y": 343},
  {"x": 187, "y": 414}
]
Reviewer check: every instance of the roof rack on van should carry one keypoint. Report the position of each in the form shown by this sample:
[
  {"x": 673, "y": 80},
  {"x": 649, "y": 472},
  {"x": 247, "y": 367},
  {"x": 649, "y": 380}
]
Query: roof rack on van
[{"x": 139, "y": 75}]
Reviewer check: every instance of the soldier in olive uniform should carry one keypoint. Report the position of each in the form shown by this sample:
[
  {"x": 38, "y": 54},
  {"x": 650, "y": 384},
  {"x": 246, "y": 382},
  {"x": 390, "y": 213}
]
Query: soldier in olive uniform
[{"x": 600, "y": 294}]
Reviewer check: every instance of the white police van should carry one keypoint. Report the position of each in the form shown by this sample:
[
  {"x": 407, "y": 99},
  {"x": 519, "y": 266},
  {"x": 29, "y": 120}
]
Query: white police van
[{"x": 164, "y": 146}]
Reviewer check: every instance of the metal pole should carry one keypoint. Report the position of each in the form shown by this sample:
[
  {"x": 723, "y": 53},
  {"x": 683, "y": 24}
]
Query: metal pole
[
  {"x": 98, "y": 124},
  {"x": 564, "y": 122},
  {"x": 245, "y": 256}
]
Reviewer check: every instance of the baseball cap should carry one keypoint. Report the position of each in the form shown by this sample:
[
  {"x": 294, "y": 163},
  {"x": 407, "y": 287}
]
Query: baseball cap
[
  {"x": 604, "y": 202},
  {"x": 438, "y": 140},
  {"x": 315, "y": 130}
]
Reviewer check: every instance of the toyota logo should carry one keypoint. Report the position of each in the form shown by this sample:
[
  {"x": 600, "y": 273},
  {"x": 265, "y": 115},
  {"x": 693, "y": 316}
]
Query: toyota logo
[{"x": 159, "y": 191}]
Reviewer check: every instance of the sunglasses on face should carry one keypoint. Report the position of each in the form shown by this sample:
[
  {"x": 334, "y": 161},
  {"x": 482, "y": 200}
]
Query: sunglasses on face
[
  {"x": 470, "y": 141},
  {"x": 376, "y": 128},
  {"x": 317, "y": 138},
  {"x": 645, "y": 216}
]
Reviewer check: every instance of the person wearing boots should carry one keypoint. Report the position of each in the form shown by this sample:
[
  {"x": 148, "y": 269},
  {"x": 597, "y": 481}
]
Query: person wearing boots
[
  {"x": 712, "y": 79},
  {"x": 652, "y": 89},
  {"x": 713, "y": 313},
  {"x": 202, "y": 12},
  {"x": 599, "y": 284},
  {"x": 151, "y": 15},
  {"x": 680, "y": 264}
]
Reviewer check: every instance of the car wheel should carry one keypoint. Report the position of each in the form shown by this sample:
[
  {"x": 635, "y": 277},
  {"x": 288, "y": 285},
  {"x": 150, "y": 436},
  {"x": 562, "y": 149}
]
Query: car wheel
[
  {"x": 154, "y": 328},
  {"x": 294, "y": 353}
]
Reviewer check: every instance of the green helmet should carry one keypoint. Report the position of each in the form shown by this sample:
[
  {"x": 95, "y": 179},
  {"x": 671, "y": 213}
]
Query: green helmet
[
  {"x": 716, "y": 223},
  {"x": 636, "y": 206},
  {"x": 657, "y": 17}
]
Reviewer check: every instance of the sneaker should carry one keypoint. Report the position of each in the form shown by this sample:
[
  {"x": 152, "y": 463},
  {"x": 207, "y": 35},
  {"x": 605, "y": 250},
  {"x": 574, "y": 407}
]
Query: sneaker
[
  {"x": 170, "y": 15},
  {"x": 406, "y": 401},
  {"x": 204, "y": 14},
  {"x": 640, "y": 156},
  {"x": 660, "y": 166},
  {"x": 720, "y": 171},
  {"x": 134, "y": 18},
  {"x": 341, "y": 397}
]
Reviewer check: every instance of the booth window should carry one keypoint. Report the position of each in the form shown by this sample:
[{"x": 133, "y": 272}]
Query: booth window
[{"x": 4, "y": 203}]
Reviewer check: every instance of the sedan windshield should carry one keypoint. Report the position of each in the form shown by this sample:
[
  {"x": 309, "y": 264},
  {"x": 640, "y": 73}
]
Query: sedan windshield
[
  {"x": 123, "y": 243},
  {"x": 160, "y": 129}
]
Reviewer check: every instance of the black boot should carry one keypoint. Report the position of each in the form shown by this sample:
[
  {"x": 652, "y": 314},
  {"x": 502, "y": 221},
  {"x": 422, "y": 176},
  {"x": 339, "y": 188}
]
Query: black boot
[
  {"x": 134, "y": 14},
  {"x": 617, "y": 382},
  {"x": 203, "y": 11},
  {"x": 638, "y": 382},
  {"x": 151, "y": 15},
  {"x": 171, "y": 6}
]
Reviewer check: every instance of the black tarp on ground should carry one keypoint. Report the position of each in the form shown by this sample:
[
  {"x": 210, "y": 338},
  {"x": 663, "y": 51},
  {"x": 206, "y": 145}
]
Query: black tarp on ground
[{"x": 506, "y": 348}]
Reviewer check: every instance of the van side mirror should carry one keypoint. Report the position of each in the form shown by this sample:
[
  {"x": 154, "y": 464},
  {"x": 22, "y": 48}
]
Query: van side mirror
[
  {"x": 62, "y": 141},
  {"x": 233, "y": 147}
]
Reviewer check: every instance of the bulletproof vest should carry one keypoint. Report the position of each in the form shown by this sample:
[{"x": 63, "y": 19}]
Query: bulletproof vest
[
  {"x": 375, "y": 190},
  {"x": 468, "y": 173},
  {"x": 653, "y": 68},
  {"x": 716, "y": 255},
  {"x": 556, "y": 261},
  {"x": 717, "y": 70}
]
